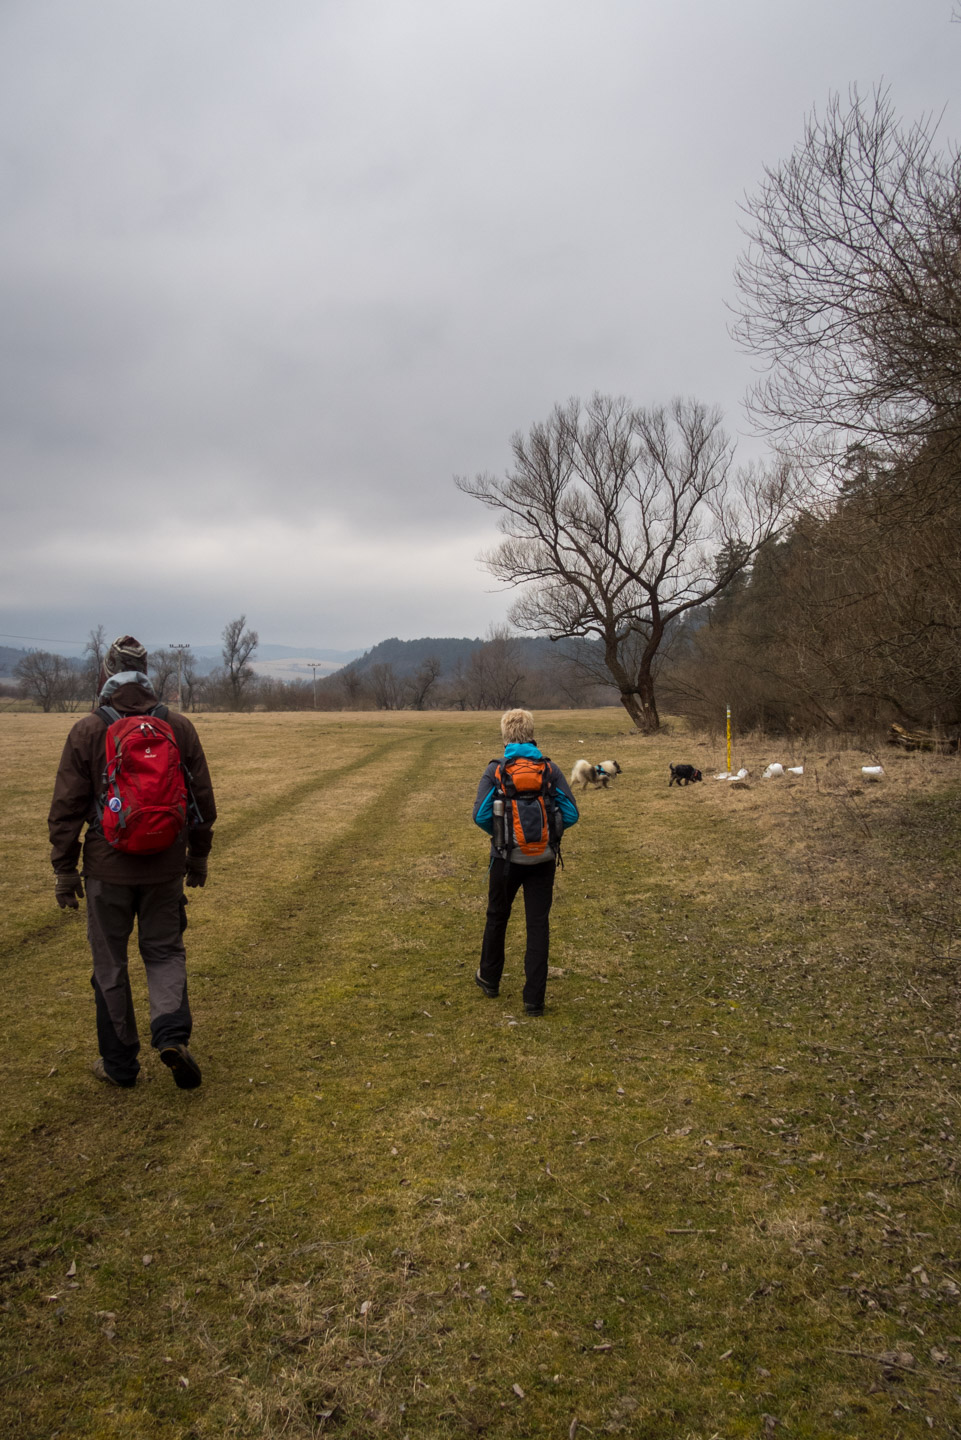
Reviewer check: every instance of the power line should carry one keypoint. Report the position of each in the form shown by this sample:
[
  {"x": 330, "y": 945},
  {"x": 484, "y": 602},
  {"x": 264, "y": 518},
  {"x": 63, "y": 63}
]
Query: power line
[{"x": 50, "y": 639}]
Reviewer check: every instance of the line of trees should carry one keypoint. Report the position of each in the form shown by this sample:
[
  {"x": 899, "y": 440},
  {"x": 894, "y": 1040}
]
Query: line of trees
[
  {"x": 495, "y": 675},
  {"x": 55, "y": 683}
]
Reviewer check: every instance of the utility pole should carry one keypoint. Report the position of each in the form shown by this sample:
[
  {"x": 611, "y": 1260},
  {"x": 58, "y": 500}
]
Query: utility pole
[
  {"x": 180, "y": 674},
  {"x": 314, "y": 668}
]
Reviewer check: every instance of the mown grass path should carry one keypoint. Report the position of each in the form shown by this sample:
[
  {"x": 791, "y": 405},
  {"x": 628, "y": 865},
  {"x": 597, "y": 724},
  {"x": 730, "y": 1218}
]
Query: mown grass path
[{"x": 712, "y": 1192}]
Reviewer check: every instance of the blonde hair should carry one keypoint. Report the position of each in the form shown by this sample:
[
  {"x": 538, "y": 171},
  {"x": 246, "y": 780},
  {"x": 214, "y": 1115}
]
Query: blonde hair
[{"x": 517, "y": 727}]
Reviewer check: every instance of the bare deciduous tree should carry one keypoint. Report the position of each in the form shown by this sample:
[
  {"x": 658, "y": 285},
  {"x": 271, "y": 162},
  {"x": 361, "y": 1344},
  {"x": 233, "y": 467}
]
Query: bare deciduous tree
[
  {"x": 163, "y": 666},
  {"x": 614, "y": 517},
  {"x": 494, "y": 672},
  {"x": 385, "y": 686},
  {"x": 94, "y": 652},
  {"x": 352, "y": 688},
  {"x": 850, "y": 289},
  {"x": 47, "y": 680},
  {"x": 238, "y": 647},
  {"x": 455, "y": 688},
  {"x": 420, "y": 684},
  {"x": 189, "y": 679}
]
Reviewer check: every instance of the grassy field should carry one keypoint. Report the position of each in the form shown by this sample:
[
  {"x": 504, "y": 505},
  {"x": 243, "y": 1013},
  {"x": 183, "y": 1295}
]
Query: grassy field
[{"x": 712, "y": 1193}]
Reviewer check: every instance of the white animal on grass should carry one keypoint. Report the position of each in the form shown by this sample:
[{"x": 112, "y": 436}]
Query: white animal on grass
[{"x": 584, "y": 773}]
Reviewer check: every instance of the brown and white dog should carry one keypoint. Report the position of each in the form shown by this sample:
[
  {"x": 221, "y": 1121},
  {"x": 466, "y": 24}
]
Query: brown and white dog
[{"x": 584, "y": 773}]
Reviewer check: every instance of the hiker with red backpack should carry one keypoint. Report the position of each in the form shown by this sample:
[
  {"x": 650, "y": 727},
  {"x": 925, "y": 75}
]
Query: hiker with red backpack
[
  {"x": 525, "y": 804},
  {"x": 135, "y": 775}
]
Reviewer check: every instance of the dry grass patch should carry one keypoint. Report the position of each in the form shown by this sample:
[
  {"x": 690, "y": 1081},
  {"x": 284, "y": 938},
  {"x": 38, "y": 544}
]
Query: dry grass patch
[{"x": 716, "y": 1183}]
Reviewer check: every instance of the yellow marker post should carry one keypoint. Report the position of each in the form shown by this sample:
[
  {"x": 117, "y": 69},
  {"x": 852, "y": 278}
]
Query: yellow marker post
[{"x": 729, "y": 738}]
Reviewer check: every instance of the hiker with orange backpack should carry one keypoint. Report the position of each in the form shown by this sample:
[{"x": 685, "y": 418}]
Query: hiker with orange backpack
[
  {"x": 135, "y": 775},
  {"x": 524, "y": 804}
]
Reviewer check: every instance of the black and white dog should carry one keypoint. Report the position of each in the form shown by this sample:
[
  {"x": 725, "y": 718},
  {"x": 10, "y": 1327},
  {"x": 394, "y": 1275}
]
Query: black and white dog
[
  {"x": 584, "y": 773},
  {"x": 684, "y": 774}
]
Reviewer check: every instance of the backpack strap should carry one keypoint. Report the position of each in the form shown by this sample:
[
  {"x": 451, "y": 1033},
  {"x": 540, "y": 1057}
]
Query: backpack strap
[
  {"x": 195, "y": 816},
  {"x": 108, "y": 715},
  {"x": 549, "y": 791},
  {"x": 502, "y": 779}
]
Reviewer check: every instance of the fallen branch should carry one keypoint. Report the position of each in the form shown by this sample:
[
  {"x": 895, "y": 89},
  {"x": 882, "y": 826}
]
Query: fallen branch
[
  {"x": 898, "y": 1184},
  {"x": 889, "y": 1363},
  {"x": 923, "y": 740}
]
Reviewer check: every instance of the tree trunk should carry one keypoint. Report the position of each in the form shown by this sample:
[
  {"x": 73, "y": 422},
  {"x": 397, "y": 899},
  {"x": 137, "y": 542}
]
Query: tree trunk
[
  {"x": 642, "y": 710},
  {"x": 638, "y": 697}
]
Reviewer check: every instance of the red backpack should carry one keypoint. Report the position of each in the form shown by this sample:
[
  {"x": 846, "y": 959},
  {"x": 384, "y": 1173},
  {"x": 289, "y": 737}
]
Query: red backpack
[{"x": 143, "y": 806}]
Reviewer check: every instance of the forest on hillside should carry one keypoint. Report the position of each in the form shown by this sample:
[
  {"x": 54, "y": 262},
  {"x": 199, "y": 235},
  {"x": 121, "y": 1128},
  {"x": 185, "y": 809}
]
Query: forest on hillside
[{"x": 850, "y": 292}]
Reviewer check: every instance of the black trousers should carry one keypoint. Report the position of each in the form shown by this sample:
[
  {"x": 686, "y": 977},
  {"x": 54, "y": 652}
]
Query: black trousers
[
  {"x": 537, "y": 882},
  {"x": 161, "y": 917}
]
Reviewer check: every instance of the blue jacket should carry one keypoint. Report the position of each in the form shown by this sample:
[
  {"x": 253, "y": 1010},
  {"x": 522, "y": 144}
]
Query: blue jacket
[{"x": 484, "y": 804}]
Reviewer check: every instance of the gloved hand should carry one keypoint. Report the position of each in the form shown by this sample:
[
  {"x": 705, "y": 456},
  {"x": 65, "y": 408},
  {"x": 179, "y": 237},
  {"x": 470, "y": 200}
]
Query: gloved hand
[
  {"x": 196, "y": 871},
  {"x": 69, "y": 890}
]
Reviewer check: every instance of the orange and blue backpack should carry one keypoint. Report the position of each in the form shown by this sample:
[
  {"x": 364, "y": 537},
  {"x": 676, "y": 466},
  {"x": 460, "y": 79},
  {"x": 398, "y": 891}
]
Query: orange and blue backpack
[{"x": 532, "y": 827}]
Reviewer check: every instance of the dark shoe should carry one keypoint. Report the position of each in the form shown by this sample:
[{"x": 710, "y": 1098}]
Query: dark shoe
[
  {"x": 491, "y": 991},
  {"x": 185, "y": 1069},
  {"x": 99, "y": 1070},
  {"x": 534, "y": 1009}
]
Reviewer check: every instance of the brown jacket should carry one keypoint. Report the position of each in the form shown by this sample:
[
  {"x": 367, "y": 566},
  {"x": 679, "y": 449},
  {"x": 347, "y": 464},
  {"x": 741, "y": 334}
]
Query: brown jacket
[{"x": 80, "y": 780}]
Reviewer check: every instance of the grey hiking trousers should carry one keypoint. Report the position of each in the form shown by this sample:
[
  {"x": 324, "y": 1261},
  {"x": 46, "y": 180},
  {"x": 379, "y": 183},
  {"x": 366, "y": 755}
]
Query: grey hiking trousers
[{"x": 161, "y": 916}]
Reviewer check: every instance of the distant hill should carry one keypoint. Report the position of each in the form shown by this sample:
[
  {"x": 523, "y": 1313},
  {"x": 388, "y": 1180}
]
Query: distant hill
[{"x": 406, "y": 656}]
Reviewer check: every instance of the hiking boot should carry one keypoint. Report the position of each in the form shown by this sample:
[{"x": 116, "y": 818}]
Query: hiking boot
[
  {"x": 99, "y": 1071},
  {"x": 491, "y": 991},
  {"x": 186, "y": 1071},
  {"x": 534, "y": 1009}
]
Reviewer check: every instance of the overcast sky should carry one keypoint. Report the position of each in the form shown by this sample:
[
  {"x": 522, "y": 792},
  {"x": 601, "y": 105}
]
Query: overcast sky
[{"x": 270, "y": 275}]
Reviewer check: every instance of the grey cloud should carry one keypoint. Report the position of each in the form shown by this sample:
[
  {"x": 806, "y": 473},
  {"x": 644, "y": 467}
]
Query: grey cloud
[{"x": 298, "y": 268}]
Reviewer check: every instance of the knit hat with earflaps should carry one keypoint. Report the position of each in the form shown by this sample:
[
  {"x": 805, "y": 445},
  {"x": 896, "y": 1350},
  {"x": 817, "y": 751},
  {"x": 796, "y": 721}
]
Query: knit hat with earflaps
[{"x": 125, "y": 654}]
